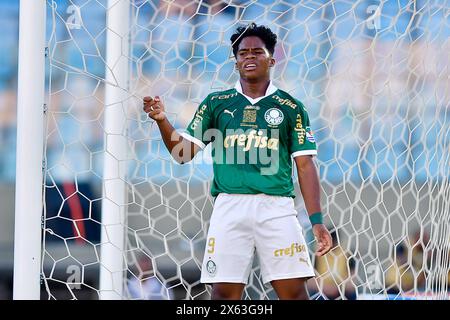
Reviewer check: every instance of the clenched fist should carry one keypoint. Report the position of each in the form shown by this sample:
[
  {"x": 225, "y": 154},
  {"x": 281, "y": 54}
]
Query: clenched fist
[{"x": 155, "y": 108}]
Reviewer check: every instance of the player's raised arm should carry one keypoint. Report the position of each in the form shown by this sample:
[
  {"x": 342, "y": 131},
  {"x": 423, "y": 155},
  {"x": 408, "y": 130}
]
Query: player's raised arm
[{"x": 182, "y": 150}]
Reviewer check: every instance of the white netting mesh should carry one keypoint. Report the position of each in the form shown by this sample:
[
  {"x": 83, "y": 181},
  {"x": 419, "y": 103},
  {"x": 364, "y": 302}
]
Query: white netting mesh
[{"x": 374, "y": 76}]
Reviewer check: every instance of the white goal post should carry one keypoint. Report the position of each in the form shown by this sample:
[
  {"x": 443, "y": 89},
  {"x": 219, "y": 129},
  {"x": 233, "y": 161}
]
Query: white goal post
[
  {"x": 30, "y": 146},
  {"x": 103, "y": 211}
]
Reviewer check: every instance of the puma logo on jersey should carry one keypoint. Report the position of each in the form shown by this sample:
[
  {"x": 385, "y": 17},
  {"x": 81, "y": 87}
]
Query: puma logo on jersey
[
  {"x": 229, "y": 112},
  {"x": 303, "y": 260}
]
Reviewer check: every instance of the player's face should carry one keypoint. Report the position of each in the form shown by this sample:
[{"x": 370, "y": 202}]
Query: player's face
[{"x": 253, "y": 60}]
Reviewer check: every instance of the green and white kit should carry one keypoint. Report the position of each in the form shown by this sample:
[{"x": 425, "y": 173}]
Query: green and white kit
[{"x": 253, "y": 143}]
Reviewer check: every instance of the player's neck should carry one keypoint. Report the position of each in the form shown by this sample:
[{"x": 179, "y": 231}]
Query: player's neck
[{"x": 254, "y": 89}]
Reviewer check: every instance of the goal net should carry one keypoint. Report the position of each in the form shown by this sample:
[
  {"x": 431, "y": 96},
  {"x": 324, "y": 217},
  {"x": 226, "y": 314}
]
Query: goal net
[{"x": 123, "y": 220}]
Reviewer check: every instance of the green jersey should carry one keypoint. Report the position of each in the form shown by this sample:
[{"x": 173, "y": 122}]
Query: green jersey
[{"x": 253, "y": 140}]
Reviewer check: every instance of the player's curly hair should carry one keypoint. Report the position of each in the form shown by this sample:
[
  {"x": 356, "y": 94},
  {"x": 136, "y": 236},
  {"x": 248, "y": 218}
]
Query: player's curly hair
[{"x": 264, "y": 33}]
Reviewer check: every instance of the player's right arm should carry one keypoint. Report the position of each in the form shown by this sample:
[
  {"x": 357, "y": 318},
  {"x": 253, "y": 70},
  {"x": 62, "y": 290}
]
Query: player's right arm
[{"x": 181, "y": 149}]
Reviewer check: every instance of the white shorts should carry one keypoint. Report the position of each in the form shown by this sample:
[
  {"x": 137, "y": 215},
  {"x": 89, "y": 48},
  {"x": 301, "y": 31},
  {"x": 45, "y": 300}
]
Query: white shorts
[{"x": 241, "y": 224}]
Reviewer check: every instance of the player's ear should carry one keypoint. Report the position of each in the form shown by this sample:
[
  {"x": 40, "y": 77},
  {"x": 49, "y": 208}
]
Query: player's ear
[{"x": 272, "y": 62}]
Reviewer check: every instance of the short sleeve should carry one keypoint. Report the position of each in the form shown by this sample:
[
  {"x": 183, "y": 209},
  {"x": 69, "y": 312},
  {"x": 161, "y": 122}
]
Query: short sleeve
[
  {"x": 200, "y": 123},
  {"x": 302, "y": 141}
]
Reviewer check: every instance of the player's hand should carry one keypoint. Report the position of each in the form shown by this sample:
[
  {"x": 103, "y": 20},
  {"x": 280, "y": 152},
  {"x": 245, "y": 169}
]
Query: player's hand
[
  {"x": 155, "y": 108},
  {"x": 323, "y": 238}
]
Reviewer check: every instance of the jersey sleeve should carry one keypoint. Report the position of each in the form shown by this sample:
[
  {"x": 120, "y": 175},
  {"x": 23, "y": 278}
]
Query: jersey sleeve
[
  {"x": 302, "y": 140},
  {"x": 200, "y": 123}
]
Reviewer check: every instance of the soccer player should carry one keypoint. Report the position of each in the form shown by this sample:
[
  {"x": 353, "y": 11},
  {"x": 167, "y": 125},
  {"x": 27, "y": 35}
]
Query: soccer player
[{"x": 256, "y": 130}]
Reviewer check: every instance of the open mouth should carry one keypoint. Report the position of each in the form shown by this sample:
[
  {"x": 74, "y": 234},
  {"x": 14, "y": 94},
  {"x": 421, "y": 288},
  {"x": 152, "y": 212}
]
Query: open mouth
[{"x": 250, "y": 67}]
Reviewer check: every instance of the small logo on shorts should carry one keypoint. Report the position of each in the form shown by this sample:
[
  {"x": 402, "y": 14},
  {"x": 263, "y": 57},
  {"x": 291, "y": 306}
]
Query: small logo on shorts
[{"x": 211, "y": 268}]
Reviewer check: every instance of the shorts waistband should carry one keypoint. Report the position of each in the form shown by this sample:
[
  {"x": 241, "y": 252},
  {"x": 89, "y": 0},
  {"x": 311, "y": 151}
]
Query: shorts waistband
[{"x": 257, "y": 195}]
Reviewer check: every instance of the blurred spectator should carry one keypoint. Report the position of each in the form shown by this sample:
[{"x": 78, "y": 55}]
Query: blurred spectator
[
  {"x": 144, "y": 284},
  {"x": 426, "y": 264},
  {"x": 421, "y": 257},
  {"x": 334, "y": 273},
  {"x": 8, "y": 102},
  {"x": 399, "y": 276}
]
